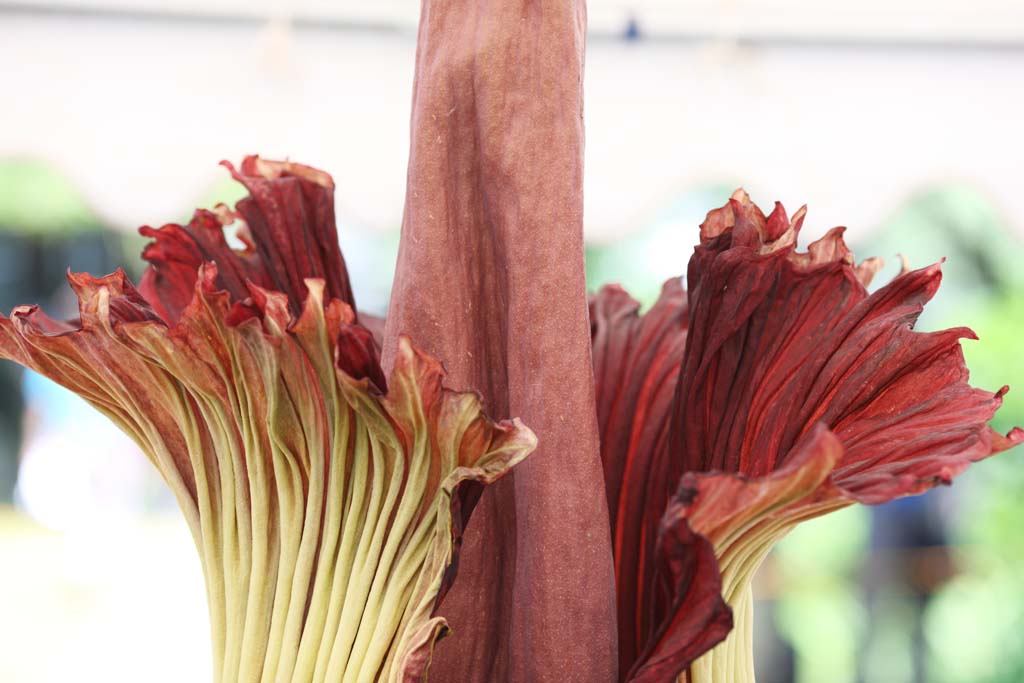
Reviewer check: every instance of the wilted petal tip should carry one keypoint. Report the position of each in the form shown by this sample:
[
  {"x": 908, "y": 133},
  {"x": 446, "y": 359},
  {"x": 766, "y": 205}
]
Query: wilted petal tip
[
  {"x": 255, "y": 166},
  {"x": 1013, "y": 437}
]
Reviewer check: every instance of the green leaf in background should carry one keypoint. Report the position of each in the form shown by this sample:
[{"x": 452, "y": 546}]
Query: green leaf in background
[{"x": 37, "y": 199}]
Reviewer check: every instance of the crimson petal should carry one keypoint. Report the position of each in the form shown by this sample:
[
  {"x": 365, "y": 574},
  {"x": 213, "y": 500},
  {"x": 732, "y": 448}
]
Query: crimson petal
[
  {"x": 687, "y": 603},
  {"x": 797, "y": 393},
  {"x": 668, "y": 613},
  {"x": 805, "y": 393},
  {"x": 288, "y": 229},
  {"x": 780, "y": 340}
]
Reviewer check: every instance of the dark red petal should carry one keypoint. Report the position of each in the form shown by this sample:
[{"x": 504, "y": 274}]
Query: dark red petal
[
  {"x": 289, "y": 232},
  {"x": 741, "y": 518},
  {"x": 177, "y": 252},
  {"x": 83, "y": 356},
  {"x": 797, "y": 393},
  {"x": 636, "y": 368},
  {"x": 290, "y": 216},
  {"x": 119, "y": 300},
  {"x": 359, "y": 356},
  {"x": 123, "y": 302},
  {"x": 490, "y": 279},
  {"x": 724, "y": 507},
  {"x": 689, "y": 595},
  {"x": 780, "y": 340}
]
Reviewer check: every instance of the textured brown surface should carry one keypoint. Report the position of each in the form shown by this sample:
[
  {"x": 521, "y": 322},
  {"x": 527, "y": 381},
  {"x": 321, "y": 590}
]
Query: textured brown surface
[{"x": 490, "y": 280}]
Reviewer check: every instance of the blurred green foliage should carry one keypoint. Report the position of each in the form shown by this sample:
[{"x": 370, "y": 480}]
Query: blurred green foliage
[
  {"x": 641, "y": 261},
  {"x": 35, "y": 199},
  {"x": 975, "y": 625}
]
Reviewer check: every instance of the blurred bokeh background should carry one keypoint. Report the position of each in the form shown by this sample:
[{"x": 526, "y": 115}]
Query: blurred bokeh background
[{"x": 901, "y": 119}]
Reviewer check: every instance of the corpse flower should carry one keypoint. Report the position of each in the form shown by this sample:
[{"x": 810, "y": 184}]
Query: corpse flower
[
  {"x": 329, "y": 491},
  {"x": 327, "y": 504},
  {"x": 779, "y": 390}
]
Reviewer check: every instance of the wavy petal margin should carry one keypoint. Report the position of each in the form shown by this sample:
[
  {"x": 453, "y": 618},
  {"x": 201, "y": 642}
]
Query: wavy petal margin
[
  {"x": 808, "y": 393},
  {"x": 328, "y": 512},
  {"x": 288, "y": 228},
  {"x": 798, "y": 393}
]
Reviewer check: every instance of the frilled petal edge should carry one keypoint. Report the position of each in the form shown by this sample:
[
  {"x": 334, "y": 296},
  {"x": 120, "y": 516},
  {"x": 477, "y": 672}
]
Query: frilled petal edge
[
  {"x": 795, "y": 392},
  {"x": 328, "y": 509}
]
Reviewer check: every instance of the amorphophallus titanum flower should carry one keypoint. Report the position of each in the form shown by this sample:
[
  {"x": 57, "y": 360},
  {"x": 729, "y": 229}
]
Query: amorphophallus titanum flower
[
  {"x": 327, "y": 506},
  {"x": 778, "y": 391}
]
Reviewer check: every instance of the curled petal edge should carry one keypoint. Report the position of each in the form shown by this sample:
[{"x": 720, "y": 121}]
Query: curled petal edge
[{"x": 156, "y": 380}]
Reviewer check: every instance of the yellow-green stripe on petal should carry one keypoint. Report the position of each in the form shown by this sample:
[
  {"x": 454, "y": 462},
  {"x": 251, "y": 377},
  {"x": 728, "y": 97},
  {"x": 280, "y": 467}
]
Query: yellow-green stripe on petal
[{"x": 326, "y": 504}]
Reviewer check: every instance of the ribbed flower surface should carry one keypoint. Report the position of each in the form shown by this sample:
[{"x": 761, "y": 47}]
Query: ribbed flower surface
[
  {"x": 327, "y": 505},
  {"x": 777, "y": 390}
]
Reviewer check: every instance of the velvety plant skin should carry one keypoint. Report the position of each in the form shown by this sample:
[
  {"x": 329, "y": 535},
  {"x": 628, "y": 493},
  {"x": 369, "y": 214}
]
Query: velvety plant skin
[
  {"x": 327, "y": 504},
  {"x": 778, "y": 389},
  {"x": 490, "y": 277}
]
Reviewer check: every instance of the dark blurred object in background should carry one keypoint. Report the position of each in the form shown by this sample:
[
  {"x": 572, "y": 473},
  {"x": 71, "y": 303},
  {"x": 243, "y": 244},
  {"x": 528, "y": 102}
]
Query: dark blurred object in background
[
  {"x": 45, "y": 228},
  {"x": 909, "y": 563}
]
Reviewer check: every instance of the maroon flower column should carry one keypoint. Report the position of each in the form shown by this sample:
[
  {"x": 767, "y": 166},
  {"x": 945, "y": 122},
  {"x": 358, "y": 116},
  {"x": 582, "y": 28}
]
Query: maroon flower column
[{"x": 490, "y": 279}]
